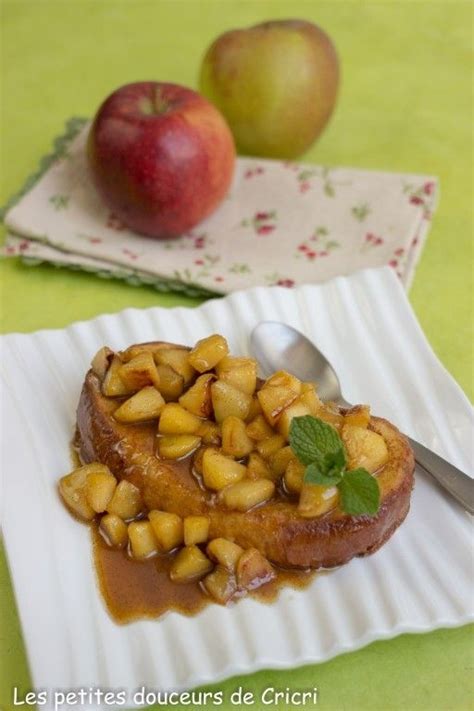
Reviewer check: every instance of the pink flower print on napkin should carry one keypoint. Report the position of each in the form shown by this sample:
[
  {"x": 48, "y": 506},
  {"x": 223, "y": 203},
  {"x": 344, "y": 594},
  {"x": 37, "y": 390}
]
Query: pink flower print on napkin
[
  {"x": 319, "y": 244},
  {"x": 263, "y": 223},
  {"x": 253, "y": 172},
  {"x": 370, "y": 242}
]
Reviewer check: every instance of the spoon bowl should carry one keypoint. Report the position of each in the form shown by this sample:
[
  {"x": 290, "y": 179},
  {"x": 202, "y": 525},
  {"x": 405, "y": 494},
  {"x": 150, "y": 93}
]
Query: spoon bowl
[{"x": 280, "y": 347}]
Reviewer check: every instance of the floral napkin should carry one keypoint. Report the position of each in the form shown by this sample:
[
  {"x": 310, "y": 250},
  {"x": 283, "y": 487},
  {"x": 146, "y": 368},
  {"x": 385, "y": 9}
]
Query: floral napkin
[{"x": 282, "y": 223}]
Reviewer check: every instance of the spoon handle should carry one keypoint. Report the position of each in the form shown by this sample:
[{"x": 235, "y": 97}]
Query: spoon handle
[{"x": 459, "y": 484}]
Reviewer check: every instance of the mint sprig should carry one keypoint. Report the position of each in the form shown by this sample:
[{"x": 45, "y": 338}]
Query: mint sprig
[{"x": 319, "y": 446}]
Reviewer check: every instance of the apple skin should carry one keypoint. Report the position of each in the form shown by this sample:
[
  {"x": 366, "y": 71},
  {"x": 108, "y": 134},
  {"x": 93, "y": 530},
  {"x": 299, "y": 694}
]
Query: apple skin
[
  {"x": 276, "y": 84},
  {"x": 161, "y": 156}
]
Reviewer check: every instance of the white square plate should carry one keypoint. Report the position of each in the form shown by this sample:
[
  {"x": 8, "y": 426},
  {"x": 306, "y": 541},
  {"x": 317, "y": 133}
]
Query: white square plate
[{"x": 420, "y": 580}]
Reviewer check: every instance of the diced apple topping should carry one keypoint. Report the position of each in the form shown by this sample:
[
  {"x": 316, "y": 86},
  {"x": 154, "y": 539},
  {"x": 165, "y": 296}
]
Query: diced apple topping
[
  {"x": 196, "y": 530},
  {"x": 207, "y": 353},
  {"x": 259, "y": 429},
  {"x": 221, "y": 585},
  {"x": 227, "y": 401},
  {"x": 244, "y": 495},
  {"x": 168, "y": 529},
  {"x": 100, "y": 362},
  {"x": 73, "y": 489},
  {"x": 178, "y": 359},
  {"x": 190, "y": 564},
  {"x": 224, "y": 552},
  {"x": 126, "y": 501},
  {"x": 294, "y": 476},
  {"x": 253, "y": 570},
  {"x": 144, "y": 405},
  {"x": 235, "y": 440},
  {"x": 142, "y": 539},
  {"x": 174, "y": 419},
  {"x": 218, "y": 471},
  {"x": 316, "y": 500},
  {"x": 113, "y": 385},
  {"x": 364, "y": 448},
  {"x": 257, "y": 467},
  {"x": 140, "y": 371},
  {"x": 177, "y": 446},
  {"x": 197, "y": 399},
  {"x": 210, "y": 432},
  {"x": 100, "y": 487},
  {"x": 239, "y": 372},
  {"x": 114, "y": 530},
  {"x": 171, "y": 383},
  {"x": 269, "y": 446},
  {"x": 279, "y": 461},
  {"x": 298, "y": 408}
]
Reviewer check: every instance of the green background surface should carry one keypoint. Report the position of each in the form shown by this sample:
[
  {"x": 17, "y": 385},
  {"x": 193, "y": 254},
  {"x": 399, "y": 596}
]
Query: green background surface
[{"x": 405, "y": 105}]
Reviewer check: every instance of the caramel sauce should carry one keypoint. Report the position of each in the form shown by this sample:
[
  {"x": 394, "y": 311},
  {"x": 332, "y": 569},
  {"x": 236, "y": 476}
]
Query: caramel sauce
[{"x": 134, "y": 590}]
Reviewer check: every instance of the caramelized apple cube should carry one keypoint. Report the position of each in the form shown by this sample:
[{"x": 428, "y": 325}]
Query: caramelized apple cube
[
  {"x": 132, "y": 351},
  {"x": 196, "y": 529},
  {"x": 259, "y": 429},
  {"x": 198, "y": 398},
  {"x": 224, "y": 552},
  {"x": 73, "y": 489},
  {"x": 227, "y": 400},
  {"x": 257, "y": 467},
  {"x": 296, "y": 409},
  {"x": 221, "y": 585},
  {"x": 142, "y": 539},
  {"x": 114, "y": 530},
  {"x": 171, "y": 383},
  {"x": 364, "y": 448},
  {"x": 274, "y": 400},
  {"x": 235, "y": 440},
  {"x": 283, "y": 379},
  {"x": 239, "y": 372},
  {"x": 140, "y": 371},
  {"x": 189, "y": 565},
  {"x": 253, "y": 570},
  {"x": 218, "y": 471},
  {"x": 100, "y": 487},
  {"x": 310, "y": 398},
  {"x": 178, "y": 359},
  {"x": 207, "y": 352},
  {"x": 210, "y": 432},
  {"x": 174, "y": 419},
  {"x": 126, "y": 501},
  {"x": 113, "y": 385},
  {"x": 269, "y": 446},
  {"x": 177, "y": 446},
  {"x": 316, "y": 500},
  {"x": 254, "y": 410},
  {"x": 145, "y": 405},
  {"x": 279, "y": 461},
  {"x": 294, "y": 476},
  {"x": 246, "y": 494},
  {"x": 358, "y": 416},
  {"x": 100, "y": 362},
  {"x": 330, "y": 413},
  {"x": 168, "y": 529}
]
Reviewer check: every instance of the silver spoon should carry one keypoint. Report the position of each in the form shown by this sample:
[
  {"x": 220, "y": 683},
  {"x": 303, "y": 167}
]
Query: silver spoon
[{"x": 281, "y": 347}]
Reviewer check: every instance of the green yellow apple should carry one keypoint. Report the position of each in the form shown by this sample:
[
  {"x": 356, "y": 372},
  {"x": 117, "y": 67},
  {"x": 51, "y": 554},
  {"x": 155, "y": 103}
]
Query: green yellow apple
[{"x": 276, "y": 84}]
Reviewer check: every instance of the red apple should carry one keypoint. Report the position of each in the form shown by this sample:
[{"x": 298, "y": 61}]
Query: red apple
[{"x": 162, "y": 157}]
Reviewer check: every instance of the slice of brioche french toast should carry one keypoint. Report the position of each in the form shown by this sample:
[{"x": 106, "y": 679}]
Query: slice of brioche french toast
[{"x": 220, "y": 451}]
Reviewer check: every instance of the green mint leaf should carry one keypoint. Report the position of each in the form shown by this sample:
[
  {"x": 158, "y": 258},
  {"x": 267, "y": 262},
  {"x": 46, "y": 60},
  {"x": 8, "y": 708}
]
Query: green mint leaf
[
  {"x": 312, "y": 440},
  {"x": 360, "y": 493},
  {"x": 315, "y": 475}
]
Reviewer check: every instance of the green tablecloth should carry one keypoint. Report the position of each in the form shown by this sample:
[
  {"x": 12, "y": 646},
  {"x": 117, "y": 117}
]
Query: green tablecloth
[{"x": 405, "y": 105}]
